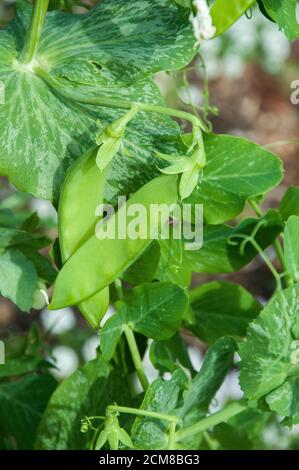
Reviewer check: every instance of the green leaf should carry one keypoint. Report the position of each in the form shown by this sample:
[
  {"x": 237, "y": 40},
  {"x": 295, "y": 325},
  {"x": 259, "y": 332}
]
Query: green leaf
[
  {"x": 12, "y": 237},
  {"x": 197, "y": 398},
  {"x": 102, "y": 53},
  {"x": 144, "y": 269},
  {"x": 153, "y": 310},
  {"x": 173, "y": 265},
  {"x": 162, "y": 396},
  {"x": 218, "y": 256},
  {"x": 236, "y": 170},
  {"x": 21, "y": 406},
  {"x": 271, "y": 351},
  {"x": 18, "y": 278},
  {"x": 156, "y": 310},
  {"x": 221, "y": 308},
  {"x": 285, "y": 400},
  {"x": 43, "y": 265},
  {"x": 120, "y": 41},
  {"x": 243, "y": 431},
  {"x": 22, "y": 365},
  {"x": 231, "y": 438},
  {"x": 184, "y": 3},
  {"x": 284, "y": 14},
  {"x": 167, "y": 355},
  {"x": 217, "y": 362},
  {"x": 290, "y": 203},
  {"x": 11, "y": 219},
  {"x": 87, "y": 392},
  {"x": 95, "y": 307},
  {"x": 291, "y": 246}
]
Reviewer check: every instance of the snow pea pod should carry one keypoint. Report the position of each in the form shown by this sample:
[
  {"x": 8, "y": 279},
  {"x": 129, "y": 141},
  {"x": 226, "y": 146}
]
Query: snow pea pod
[
  {"x": 81, "y": 193},
  {"x": 224, "y": 13},
  {"x": 98, "y": 262}
]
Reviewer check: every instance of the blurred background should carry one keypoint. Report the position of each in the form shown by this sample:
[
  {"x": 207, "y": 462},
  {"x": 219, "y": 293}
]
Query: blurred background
[{"x": 241, "y": 85}]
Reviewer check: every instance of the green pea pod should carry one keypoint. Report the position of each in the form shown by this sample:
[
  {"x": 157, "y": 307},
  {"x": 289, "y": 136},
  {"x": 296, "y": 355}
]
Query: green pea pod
[
  {"x": 77, "y": 215},
  {"x": 98, "y": 262},
  {"x": 81, "y": 193},
  {"x": 95, "y": 307},
  {"x": 77, "y": 221},
  {"x": 225, "y": 13}
]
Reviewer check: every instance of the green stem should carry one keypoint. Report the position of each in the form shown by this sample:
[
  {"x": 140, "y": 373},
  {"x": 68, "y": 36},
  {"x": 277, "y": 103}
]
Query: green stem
[
  {"x": 256, "y": 208},
  {"x": 220, "y": 417},
  {"x": 171, "y": 436},
  {"x": 136, "y": 411},
  {"x": 136, "y": 357},
  {"x": 74, "y": 95},
  {"x": 212, "y": 443},
  {"x": 276, "y": 244},
  {"x": 278, "y": 248},
  {"x": 118, "y": 289},
  {"x": 268, "y": 262},
  {"x": 33, "y": 35}
]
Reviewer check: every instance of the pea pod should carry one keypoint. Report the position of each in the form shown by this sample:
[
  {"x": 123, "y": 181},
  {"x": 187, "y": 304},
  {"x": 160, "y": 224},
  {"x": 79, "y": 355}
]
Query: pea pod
[
  {"x": 82, "y": 192},
  {"x": 97, "y": 263},
  {"x": 224, "y": 13}
]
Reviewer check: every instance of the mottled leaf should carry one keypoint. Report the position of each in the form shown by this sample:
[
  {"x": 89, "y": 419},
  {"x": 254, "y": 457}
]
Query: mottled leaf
[
  {"x": 284, "y": 14},
  {"x": 285, "y": 400},
  {"x": 270, "y": 353},
  {"x": 291, "y": 246},
  {"x": 101, "y": 54}
]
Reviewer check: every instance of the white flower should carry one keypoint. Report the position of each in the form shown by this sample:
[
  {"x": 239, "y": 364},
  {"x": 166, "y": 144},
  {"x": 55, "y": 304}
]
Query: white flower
[{"x": 202, "y": 22}]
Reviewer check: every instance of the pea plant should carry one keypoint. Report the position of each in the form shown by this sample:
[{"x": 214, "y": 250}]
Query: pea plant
[{"x": 82, "y": 123}]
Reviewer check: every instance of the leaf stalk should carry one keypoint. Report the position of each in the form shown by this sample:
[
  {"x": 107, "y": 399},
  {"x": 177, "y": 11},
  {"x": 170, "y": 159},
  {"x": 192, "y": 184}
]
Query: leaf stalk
[{"x": 38, "y": 18}]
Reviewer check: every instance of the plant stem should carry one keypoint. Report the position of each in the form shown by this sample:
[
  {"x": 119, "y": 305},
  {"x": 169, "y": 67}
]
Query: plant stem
[
  {"x": 136, "y": 411},
  {"x": 268, "y": 262},
  {"x": 74, "y": 95},
  {"x": 256, "y": 208},
  {"x": 118, "y": 289},
  {"x": 220, "y": 417},
  {"x": 33, "y": 35},
  {"x": 276, "y": 244},
  {"x": 213, "y": 444},
  {"x": 136, "y": 357},
  {"x": 171, "y": 436}
]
